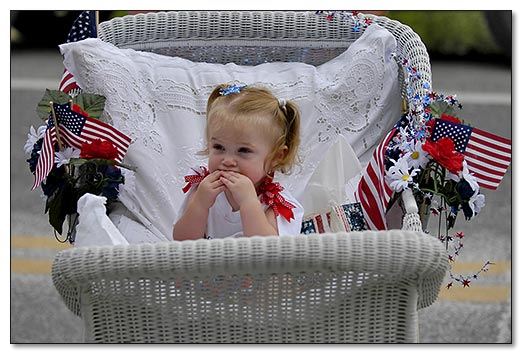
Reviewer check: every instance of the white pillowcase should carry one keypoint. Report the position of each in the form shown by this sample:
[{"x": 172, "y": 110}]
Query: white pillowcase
[{"x": 160, "y": 103}]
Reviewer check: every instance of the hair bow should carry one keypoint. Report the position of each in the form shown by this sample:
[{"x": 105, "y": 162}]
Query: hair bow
[{"x": 225, "y": 91}]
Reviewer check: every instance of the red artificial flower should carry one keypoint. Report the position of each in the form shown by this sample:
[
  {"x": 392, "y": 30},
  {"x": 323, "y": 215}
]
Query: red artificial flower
[
  {"x": 99, "y": 149},
  {"x": 77, "y": 109},
  {"x": 450, "y": 118},
  {"x": 443, "y": 151}
]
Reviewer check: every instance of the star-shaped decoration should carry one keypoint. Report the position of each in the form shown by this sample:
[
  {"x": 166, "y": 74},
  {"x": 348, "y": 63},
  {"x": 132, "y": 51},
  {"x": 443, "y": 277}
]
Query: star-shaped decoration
[{"x": 459, "y": 234}]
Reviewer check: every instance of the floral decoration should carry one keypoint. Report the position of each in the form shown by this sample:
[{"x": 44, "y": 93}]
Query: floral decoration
[
  {"x": 433, "y": 170},
  {"x": 92, "y": 169},
  {"x": 432, "y": 167}
]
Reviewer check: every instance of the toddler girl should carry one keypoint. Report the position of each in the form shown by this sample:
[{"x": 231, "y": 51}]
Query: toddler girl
[{"x": 250, "y": 135}]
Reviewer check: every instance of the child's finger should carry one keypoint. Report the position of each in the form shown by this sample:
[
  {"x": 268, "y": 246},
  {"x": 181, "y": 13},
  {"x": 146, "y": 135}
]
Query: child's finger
[
  {"x": 216, "y": 184},
  {"x": 226, "y": 181},
  {"x": 231, "y": 176},
  {"x": 214, "y": 176}
]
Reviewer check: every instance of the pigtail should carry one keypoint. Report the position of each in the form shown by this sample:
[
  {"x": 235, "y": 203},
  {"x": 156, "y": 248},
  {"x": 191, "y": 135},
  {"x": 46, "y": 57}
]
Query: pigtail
[
  {"x": 214, "y": 95},
  {"x": 292, "y": 131}
]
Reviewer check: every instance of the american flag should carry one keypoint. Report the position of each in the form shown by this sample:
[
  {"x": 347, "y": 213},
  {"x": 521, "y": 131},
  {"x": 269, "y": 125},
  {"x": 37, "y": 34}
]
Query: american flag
[
  {"x": 373, "y": 192},
  {"x": 488, "y": 156},
  {"x": 83, "y": 27},
  {"x": 74, "y": 129}
]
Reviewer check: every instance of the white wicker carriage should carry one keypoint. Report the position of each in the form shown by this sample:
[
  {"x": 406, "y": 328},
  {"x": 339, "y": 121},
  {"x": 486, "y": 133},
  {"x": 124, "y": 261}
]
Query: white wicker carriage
[{"x": 331, "y": 288}]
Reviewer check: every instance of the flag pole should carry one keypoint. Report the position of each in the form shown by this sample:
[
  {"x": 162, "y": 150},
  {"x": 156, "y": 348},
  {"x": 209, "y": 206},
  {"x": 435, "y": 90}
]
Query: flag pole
[
  {"x": 56, "y": 127},
  {"x": 97, "y": 20}
]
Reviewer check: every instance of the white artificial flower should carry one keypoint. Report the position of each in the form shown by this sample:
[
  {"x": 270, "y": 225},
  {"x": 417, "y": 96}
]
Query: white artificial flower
[
  {"x": 417, "y": 157},
  {"x": 405, "y": 141},
  {"x": 64, "y": 156},
  {"x": 469, "y": 177},
  {"x": 32, "y": 137},
  {"x": 466, "y": 175},
  {"x": 399, "y": 176},
  {"x": 477, "y": 202}
]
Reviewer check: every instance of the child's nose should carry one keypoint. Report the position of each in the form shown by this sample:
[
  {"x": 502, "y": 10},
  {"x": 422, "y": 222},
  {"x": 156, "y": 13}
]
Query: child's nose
[{"x": 229, "y": 161}]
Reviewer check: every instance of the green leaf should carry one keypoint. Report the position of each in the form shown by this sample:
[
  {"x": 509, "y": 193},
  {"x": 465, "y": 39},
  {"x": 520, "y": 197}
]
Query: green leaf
[
  {"x": 438, "y": 108},
  {"x": 56, "y": 214},
  {"x": 43, "y": 108},
  {"x": 92, "y": 104},
  {"x": 60, "y": 204}
]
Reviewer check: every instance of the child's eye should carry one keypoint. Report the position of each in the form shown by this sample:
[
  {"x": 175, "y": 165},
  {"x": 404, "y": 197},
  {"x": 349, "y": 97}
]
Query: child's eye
[
  {"x": 218, "y": 147},
  {"x": 245, "y": 150}
]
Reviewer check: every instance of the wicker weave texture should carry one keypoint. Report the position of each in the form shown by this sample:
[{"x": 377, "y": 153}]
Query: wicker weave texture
[
  {"x": 254, "y": 37},
  {"x": 339, "y": 288}
]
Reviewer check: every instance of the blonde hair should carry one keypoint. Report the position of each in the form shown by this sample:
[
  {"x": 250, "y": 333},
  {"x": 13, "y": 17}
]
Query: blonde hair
[{"x": 260, "y": 108}]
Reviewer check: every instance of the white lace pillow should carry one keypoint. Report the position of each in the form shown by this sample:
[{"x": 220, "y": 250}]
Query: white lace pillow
[{"x": 160, "y": 103}]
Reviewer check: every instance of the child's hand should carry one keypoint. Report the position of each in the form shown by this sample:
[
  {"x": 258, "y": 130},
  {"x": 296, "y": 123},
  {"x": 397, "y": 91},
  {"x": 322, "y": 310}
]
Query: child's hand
[
  {"x": 209, "y": 189},
  {"x": 240, "y": 186}
]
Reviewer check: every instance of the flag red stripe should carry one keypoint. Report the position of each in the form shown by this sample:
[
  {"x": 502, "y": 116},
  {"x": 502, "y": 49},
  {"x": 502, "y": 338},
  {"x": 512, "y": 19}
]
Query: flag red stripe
[
  {"x": 68, "y": 82},
  {"x": 491, "y": 136},
  {"x": 373, "y": 192},
  {"x": 476, "y": 141},
  {"x": 482, "y": 177},
  {"x": 375, "y": 199},
  {"x": 70, "y": 139},
  {"x": 77, "y": 141},
  {"x": 90, "y": 136},
  {"x": 70, "y": 87},
  {"x": 320, "y": 226},
  {"x": 46, "y": 159},
  {"x": 476, "y": 150},
  {"x": 500, "y": 171},
  {"x": 101, "y": 127},
  {"x": 374, "y": 218},
  {"x": 484, "y": 160},
  {"x": 487, "y": 182},
  {"x": 361, "y": 197}
]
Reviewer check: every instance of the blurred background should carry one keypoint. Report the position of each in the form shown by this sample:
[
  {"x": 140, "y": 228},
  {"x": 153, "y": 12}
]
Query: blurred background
[{"x": 466, "y": 35}]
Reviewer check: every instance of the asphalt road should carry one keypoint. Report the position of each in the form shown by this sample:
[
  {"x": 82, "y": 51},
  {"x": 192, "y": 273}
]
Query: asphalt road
[{"x": 481, "y": 313}]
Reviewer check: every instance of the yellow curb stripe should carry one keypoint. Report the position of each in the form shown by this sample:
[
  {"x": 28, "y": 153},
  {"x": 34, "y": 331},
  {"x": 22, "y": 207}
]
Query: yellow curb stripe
[
  {"x": 22, "y": 265},
  {"x": 474, "y": 267},
  {"x": 475, "y": 293},
  {"x": 29, "y": 242}
]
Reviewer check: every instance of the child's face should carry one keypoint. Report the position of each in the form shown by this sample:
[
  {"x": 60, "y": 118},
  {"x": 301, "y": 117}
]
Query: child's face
[{"x": 242, "y": 150}]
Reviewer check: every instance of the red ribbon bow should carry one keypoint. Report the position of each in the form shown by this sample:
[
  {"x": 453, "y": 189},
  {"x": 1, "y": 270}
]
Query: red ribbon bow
[
  {"x": 269, "y": 192},
  {"x": 195, "y": 179}
]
